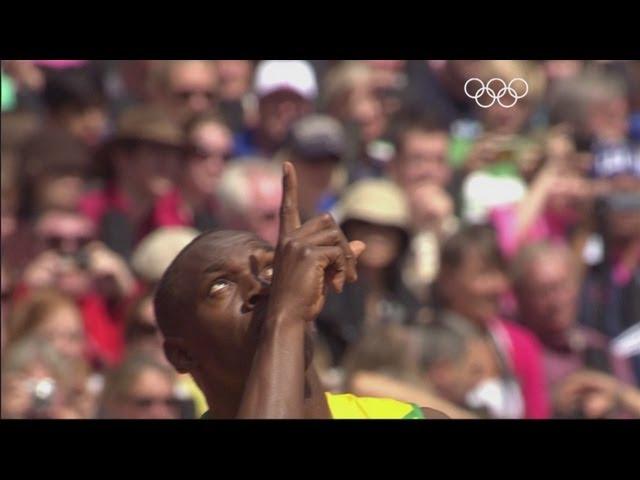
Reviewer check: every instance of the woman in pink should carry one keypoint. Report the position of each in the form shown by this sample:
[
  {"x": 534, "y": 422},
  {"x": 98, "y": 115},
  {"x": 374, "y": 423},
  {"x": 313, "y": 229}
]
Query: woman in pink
[
  {"x": 558, "y": 198},
  {"x": 471, "y": 283}
]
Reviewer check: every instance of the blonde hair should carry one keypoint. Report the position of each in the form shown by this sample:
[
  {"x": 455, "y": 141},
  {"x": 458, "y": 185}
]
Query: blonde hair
[
  {"x": 507, "y": 70},
  {"x": 342, "y": 79},
  {"x": 160, "y": 72},
  {"x": 235, "y": 184},
  {"x": 31, "y": 312},
  {"x": 119, "y": 381}
]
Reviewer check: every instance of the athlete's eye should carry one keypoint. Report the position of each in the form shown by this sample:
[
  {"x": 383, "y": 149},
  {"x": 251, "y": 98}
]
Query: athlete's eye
[
  {"x": 219, "y": 286},
  {"x": 267, "y": 274}
]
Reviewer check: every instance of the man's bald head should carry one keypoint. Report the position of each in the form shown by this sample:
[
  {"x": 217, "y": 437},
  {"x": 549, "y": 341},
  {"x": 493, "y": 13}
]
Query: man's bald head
[{"x": 175, "y": 297}]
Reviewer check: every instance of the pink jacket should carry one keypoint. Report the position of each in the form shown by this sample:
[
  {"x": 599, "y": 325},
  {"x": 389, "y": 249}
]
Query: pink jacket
[{"x": 524, "y": 353}]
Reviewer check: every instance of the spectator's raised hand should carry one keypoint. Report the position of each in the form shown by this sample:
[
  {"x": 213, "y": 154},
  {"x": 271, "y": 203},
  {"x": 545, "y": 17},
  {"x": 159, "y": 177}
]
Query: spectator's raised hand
[{"x": 106, "y": 265}]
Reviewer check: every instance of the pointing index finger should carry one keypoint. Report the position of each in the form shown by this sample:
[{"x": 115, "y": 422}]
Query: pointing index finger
[{"x": 289, "y": 214}]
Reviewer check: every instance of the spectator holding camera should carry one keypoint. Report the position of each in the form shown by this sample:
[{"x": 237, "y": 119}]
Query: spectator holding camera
[
  {"x": 97, "y": 278},
  {"x": 38, "y": 382}
]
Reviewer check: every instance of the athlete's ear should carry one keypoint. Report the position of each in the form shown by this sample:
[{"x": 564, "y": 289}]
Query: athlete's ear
[{"x": 178, "y": 355}]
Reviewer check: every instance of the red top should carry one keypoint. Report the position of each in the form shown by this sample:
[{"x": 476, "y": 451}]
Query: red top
[
  {"x": 166, "y": 211},
  {"x": 524, "y": 353}
]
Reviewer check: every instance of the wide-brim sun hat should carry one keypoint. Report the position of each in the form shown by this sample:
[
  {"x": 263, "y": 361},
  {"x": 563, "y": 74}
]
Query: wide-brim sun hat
[
  {"x": 157, "y": 250},
  {"x": 375, "y": 201}
]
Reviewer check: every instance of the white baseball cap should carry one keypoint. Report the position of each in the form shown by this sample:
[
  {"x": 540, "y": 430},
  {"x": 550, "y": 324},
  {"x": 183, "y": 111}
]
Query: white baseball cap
[{"x": 294, "y": 75}]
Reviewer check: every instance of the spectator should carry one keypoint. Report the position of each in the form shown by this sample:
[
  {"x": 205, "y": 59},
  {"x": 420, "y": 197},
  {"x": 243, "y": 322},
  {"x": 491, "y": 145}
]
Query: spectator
[
  {"x": 432, "y": 221},
  {"x": 53, "y": 317},
  {"x": 286, "y": 91},
  {"x": 75, "y": 101},
  {"x": 421, "y": 150},
  {"x": 592, "y": 394},
  {"x": 316, "y": 147},
  {"x": 156, "y": 251},
  {"x": 515, "y": 120},
  {"x": 184, "y": 88},
  {"x": 139, "y": 165},
  {"x": 557, "y": 203},
  {"x": 389, "y": 362},
  {"x": 53, "y": 169},
  {"x": 38, "y": 382},
  {"x": 459, "y": 361},
  {"x": 140, "y": 388},
  {"x": 437, "y": 86},
  {"x": 390, "y": 80},
  {"x": 96, "y": 277},
  {"x": 235, "y": 92},
  {"x": 546, "y": 286},
  {"x": 349, "y": 96},
  {"x": 249, "y": 195},
  {"x": 596, "y": 106},
  {"x": 471, "y": 282},
  {"x": 373, "y": 211},
  {"x": 193, "y": 202},
  {"x": 609, "y": 299},
  {"x": 493, "y": 179}
]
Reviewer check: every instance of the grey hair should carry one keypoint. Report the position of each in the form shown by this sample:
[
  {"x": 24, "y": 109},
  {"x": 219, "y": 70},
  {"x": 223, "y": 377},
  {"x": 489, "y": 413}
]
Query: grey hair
[
  {"x": 533, "y": 252},
  {"x": 446, "y": 339},
  {"x": 234, "y": 185},
  {"x": 28, "y": 350}
]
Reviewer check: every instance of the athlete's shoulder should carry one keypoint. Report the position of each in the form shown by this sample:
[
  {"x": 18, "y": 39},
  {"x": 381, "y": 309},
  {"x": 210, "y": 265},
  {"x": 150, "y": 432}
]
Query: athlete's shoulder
[{"x": 433, "y": 414}]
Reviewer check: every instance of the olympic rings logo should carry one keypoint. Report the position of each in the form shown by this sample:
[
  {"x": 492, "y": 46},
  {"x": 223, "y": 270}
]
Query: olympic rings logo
[{"x": 496, "y": 96}]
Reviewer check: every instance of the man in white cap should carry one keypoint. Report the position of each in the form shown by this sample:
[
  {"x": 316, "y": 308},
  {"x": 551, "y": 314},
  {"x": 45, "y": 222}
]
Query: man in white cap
[{"x": 286, "y": 91}]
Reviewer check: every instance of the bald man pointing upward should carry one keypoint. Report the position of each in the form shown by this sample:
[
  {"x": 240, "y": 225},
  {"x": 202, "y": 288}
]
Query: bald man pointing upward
[{"x": 237, "y": 315}]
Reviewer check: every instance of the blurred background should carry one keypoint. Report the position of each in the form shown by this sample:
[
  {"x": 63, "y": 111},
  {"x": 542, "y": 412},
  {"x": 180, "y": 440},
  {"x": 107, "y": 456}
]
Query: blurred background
[{"x": 502, "y": 274}]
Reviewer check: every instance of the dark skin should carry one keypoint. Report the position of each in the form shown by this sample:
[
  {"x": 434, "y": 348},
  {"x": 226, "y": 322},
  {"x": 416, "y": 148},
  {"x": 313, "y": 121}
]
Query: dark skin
[{"x": 249, "y": 312}]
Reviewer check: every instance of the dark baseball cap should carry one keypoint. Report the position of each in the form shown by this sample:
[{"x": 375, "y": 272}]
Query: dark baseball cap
[{"x": 316, "y": 137}]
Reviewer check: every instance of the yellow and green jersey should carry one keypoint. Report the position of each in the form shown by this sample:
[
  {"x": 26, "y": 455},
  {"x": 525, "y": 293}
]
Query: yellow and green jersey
[{"x": 346, "y": 406}]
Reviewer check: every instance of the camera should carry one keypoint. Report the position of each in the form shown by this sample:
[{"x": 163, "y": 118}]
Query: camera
[{"x": 42, "y": 392}]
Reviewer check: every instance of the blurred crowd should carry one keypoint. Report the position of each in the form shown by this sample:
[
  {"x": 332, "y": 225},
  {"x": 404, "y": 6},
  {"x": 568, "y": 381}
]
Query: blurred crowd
[{"x": 501, "y": 277}]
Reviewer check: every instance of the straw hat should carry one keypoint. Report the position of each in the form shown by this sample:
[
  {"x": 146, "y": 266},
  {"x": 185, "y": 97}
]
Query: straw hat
[
  {"x": 157, "y": 250},
  {"x": 150, "y": 124},
  {"x": 377, "y": 201},
  {"x": 145, "y": 124}
]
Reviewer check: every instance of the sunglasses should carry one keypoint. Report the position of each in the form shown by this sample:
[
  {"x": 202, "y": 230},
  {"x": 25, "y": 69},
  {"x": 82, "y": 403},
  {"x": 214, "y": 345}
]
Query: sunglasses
[
  {"x": 148, "y": 402},
  {"x": 187, "y": 94},
  {"x": 56, "y": 242},
  {"x": 203, "y": 153}
]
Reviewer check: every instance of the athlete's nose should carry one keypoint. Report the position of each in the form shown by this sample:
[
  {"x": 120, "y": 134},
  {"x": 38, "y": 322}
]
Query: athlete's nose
[{"x": 257, "y": 290}]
